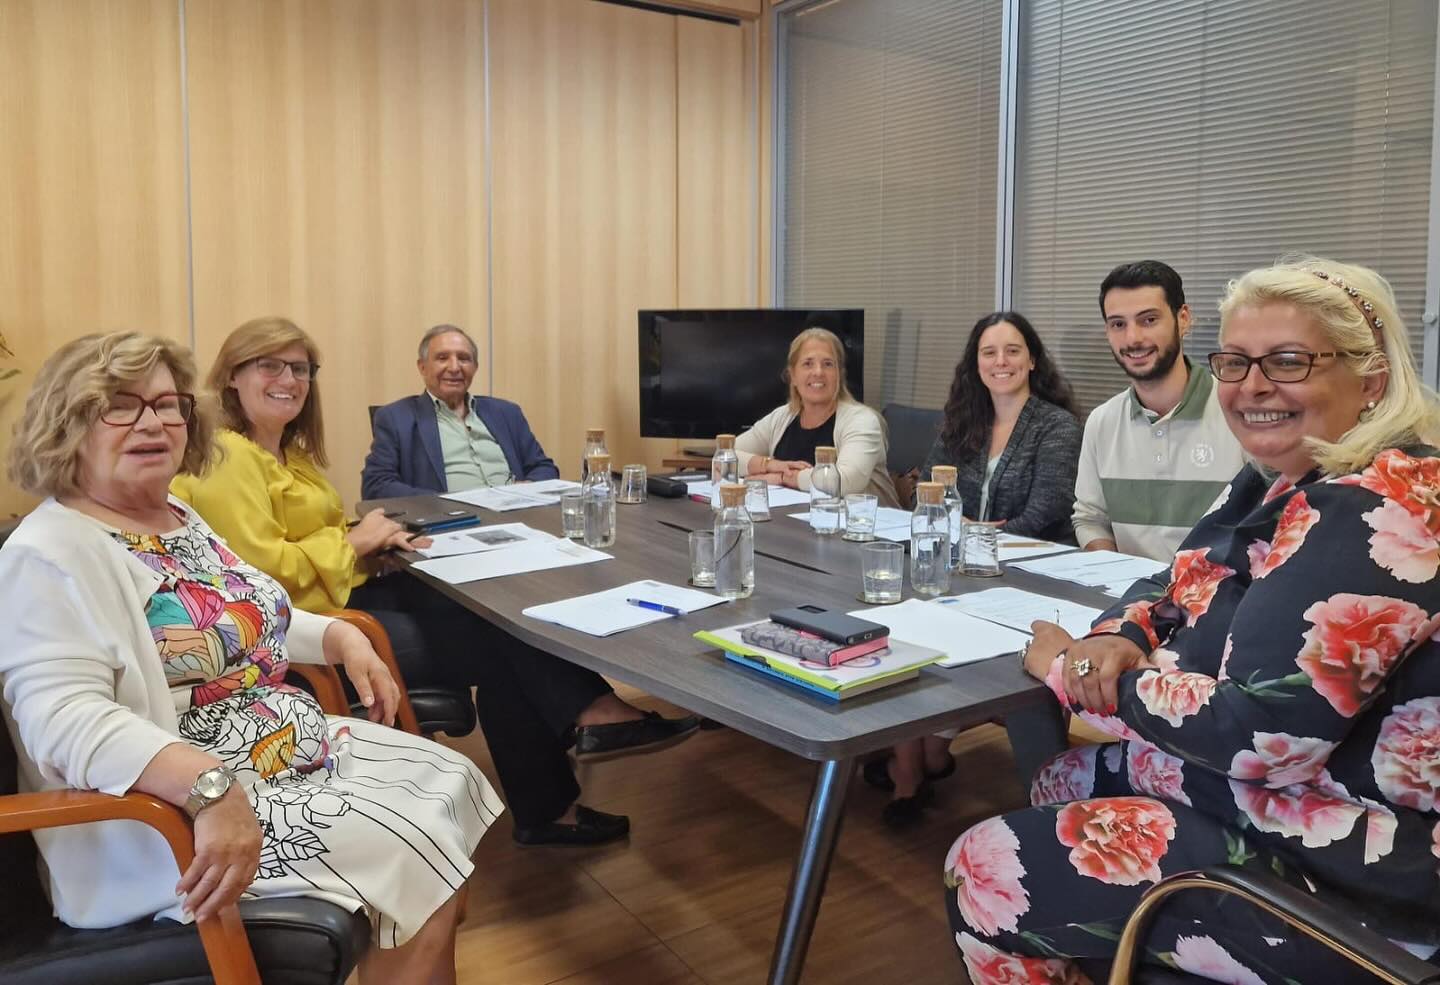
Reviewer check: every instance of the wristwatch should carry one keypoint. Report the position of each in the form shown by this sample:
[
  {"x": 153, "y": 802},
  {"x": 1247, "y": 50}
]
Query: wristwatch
[{"x": 210, "y": 786}]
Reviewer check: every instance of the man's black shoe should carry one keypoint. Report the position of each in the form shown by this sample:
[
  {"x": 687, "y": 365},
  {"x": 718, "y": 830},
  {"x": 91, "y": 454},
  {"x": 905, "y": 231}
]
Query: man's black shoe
[
  {"x": 591, "y": 827},
  {"x": 622, "y": 738}
]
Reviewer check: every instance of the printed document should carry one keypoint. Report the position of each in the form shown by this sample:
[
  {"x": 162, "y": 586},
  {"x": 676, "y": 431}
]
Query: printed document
[{"x": 606, "y": 613}]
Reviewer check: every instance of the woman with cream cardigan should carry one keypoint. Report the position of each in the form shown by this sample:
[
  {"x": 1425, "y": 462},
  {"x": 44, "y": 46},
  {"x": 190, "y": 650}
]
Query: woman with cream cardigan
[{"x": 780, "y": 447}]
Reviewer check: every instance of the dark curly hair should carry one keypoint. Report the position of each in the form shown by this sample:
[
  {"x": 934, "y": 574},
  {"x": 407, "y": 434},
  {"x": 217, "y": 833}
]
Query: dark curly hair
[{"x": 969, "y": 411}]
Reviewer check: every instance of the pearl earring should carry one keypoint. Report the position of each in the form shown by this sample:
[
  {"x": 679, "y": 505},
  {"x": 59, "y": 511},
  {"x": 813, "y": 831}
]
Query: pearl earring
[{"x": 1370, "y": 405}]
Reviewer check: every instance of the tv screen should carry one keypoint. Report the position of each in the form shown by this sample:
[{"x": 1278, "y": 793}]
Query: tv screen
[{"x": 710, "y": 372}]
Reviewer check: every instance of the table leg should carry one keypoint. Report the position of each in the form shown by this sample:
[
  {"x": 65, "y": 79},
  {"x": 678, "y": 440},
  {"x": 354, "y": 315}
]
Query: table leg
[
  {"x": 807, "y": 884},
  {"x": 1036, "y": 733}
]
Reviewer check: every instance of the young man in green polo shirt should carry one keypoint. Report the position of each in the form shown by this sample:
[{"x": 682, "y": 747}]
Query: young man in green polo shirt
[{"x": 1156, "y": 455}]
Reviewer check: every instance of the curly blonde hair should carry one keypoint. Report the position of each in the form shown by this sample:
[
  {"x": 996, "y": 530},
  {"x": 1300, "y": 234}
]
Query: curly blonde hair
[
  {"x": 71, "y": 390},
  {"x": 1407, "y": 412},
  {"x": 263, "y": 337}
]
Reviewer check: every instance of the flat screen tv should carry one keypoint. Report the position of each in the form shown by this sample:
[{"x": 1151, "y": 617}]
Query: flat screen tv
[{"x": 709, "y": 372}]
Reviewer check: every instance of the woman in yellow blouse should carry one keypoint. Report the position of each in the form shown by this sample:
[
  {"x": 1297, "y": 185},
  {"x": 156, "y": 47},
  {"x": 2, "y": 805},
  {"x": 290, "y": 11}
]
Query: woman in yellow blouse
[{"x": 268, "y": 498}]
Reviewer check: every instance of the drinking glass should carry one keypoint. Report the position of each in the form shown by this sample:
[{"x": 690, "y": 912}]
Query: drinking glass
[
  {"x": 757, "y": 499},
  {"x": 702, "y": 558},
  {"x": 882, "y": 570},
  {"x": 982, "y": 551},
  {"x": 572, "y": 515},
  {"x": 632, "y": 485},
  {"x": 860, "y": 511}
]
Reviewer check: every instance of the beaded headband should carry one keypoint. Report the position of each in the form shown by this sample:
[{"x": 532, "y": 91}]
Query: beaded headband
[{"x": 1366, "y": 309}]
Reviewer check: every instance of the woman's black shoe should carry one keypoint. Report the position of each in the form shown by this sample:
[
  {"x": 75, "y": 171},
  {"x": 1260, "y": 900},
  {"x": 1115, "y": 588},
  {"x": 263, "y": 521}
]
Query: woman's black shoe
[
  {"x": 877, "y": 773},
  {"x": 646, "y": 734},
  {"x": 902, "y": 812},
  {"x": 591, "y": 827}
]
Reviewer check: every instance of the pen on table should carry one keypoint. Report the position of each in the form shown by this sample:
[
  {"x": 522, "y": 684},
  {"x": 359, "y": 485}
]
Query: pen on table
[
  {"x": 655, "y": 606},
  {"x": 1026, "y": 543}
]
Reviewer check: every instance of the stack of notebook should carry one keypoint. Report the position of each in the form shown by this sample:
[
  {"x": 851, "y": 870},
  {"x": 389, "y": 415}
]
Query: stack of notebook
[{"x": 831, "y": 670}]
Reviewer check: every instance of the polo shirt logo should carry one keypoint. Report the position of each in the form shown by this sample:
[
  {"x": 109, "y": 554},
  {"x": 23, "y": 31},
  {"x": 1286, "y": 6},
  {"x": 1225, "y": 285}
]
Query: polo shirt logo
[{"x": 1202, "y": 456}]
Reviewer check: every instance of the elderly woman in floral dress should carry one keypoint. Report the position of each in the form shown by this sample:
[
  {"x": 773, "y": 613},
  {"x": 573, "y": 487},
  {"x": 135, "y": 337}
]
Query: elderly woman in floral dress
[{"x": 1278, "y": 701}]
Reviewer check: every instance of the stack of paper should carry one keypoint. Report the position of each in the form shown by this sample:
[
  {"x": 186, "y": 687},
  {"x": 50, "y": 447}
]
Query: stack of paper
[
  {"x": 899, "y": 662},
  {"x": 1016, "y": 548},
  {"x": 1018, "y": 609},
  {"x": 960, "y": 637},
  {"x": 476, "y": 541},
  {"x": 606, "y": 613},
  {"x": 533, "y": 556},
  {"x": 779, "y": 496},
  {"x": 1093, "y": 568},
  {"x": 519, "y": 496}
]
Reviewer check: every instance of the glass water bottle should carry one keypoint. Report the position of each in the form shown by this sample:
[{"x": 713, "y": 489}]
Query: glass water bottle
[
  {"x": 597, "y": 502},
  {"x": 734, "y": 544},
  {"x": 947, "y": 476},
  {"x": 827, "y": 507},
  {"x": 594, "y": 445},
  {"x": 930, "y": 541},
  {"x": 724, "y": 467}
]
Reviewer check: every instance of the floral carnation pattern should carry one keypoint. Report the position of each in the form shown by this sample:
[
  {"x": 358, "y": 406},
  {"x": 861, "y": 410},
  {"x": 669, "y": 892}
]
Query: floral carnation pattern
[
  {"x": 1174, "y": 696},
  {"x": 1117, "y": 840},
  {"x": 1204, "y": 957},
  {"x": 1295, "y": 522},
  {"x": 990, "y": 966},
  {"x": 1194, "y": 579},
  {"x": 1406, "y": 759},
  {"x": 1156, "y": 773},
  {"x": 1281, "y": 760},
  {"x": 1066, "y": 777},
  {"x": 983, "y": 867},
  {"x": 1297, "y": 812},
  {"x": 1353, "y": 643},
  {"x": 1406, "y": 541},
  {"x": 1137, "y": 614}
]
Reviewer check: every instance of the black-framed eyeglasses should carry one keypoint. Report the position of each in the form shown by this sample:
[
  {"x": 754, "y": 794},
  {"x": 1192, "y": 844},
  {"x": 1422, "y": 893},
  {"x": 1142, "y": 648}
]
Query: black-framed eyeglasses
[
  {"x": 125, "y": 408},
  {"x": 1278, "y": 367},
  {"x": 272, "y": 368}
]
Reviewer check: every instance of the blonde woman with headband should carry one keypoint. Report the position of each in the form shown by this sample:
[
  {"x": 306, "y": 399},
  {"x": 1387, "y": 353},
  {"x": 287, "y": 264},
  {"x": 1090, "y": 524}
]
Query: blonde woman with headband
[
  {"x": 1276, "y": 697},
  {"x": 780, "y": 447}
]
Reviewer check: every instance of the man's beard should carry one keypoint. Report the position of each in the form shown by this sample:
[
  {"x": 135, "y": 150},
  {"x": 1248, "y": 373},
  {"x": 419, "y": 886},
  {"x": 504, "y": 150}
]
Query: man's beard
[{"x": 1164, "y": 359}]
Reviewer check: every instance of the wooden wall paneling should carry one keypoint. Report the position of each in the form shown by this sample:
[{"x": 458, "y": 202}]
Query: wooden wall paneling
[
  {"x": 716, "y": 173},
  {"x": 583, "y": 148},
  {"x": 92, "y": 182},
  {"x": 744, "y": 9},
  {"x": 760, "y": 74},
  {"x": 338, "y": 172}
]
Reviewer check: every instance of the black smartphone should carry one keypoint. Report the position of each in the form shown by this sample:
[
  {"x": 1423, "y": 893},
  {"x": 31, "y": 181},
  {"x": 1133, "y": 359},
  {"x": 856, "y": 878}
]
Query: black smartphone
[{"x": 829, "y": 625}]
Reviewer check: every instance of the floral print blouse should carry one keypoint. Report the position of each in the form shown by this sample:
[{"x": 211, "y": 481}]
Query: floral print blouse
[{"x": 1298, "y": 689}]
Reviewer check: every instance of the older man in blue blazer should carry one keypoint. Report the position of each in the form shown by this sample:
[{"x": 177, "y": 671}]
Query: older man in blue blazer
[{"x": 445, "y": 440}]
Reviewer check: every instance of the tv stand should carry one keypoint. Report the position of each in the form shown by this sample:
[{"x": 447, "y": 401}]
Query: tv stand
[{"x": 706, "y": 452}]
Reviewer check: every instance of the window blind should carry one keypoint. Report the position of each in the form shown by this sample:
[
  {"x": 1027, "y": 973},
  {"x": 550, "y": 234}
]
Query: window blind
[
  {"x": 1215, "y": 135},
  {"x": 890, "y": 130}
]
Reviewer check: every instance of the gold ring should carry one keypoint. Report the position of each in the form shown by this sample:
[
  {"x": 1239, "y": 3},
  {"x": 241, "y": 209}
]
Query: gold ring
[{"x": 1082, "y": 667}]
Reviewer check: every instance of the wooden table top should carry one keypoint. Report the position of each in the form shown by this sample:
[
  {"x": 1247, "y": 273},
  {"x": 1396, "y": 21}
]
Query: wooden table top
[{"x": 792, "y": 567}]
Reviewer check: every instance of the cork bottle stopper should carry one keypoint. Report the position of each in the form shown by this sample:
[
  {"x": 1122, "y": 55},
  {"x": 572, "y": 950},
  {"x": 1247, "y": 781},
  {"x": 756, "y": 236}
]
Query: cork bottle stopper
[
  {"x": 594, "y": 434},
  {"x": 732, "y": 494},
  {"x": 824, "y": 454},
  {"x": 926, "y": 493},
  {"x": 599, "y": 463},
  {"x": 724, "y": 441},
  {"x": 944, "y": 474}
]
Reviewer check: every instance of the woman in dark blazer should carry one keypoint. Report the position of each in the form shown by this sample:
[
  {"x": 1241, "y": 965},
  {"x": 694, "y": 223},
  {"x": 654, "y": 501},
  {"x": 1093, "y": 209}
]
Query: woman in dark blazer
[{"x": 1011, "y": 432}]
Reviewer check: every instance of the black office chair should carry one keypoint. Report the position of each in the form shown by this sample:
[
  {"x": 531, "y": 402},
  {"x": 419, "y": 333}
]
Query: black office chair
[
  {"x": 910, "y": 433},
  {"x": 1327, "y": 918}
]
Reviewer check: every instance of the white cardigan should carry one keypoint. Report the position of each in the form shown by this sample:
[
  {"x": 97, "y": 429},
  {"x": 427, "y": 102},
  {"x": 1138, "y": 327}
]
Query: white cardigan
[
  {"x": 860, "y": 448},
  {"x": 86, "y": 702}
]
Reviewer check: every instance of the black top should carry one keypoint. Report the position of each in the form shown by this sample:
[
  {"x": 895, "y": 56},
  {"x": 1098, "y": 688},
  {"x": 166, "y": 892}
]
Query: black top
[
  {"x": 1033, "y": 488},
  {"x": 798, "y": 444}
]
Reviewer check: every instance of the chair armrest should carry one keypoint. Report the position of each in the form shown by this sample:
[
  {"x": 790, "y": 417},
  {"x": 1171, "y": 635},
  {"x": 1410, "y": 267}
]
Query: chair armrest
[
  {"x": 223, "y": 936},
  {"x": 325, "y": 682},
  {"x": 1315, "y": 917},
  {"x": 380, "y": 640}
]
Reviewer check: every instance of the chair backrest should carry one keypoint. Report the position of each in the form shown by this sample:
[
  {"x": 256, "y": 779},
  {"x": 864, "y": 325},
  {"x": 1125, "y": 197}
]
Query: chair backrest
[
  {"x": 24, "y": 907},
  {"x": 912, "y": 431},
  {"x": 373, "y": 409}
]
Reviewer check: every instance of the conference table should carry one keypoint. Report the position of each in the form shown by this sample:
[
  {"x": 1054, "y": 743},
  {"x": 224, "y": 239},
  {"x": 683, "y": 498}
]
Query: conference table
[{"x": 793, "y": 566}]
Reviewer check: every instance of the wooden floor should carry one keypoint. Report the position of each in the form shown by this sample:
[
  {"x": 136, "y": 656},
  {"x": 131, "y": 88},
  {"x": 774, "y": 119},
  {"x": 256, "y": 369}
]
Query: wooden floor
[{"x": 694, "y": 897}]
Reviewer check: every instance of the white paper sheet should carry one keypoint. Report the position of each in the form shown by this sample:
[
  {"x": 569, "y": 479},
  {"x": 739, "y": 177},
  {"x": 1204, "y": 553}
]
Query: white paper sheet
[
  {"x": 606, "y": 613},
  {"x": 1016, "y": 548},
  {"x": 538, "y": 556},
  {"x": 1018, "y": 609},
  {"x": 961, "y": 637},
  {"x": 478, "y": 540},
  {"x": 890, "y": 523},
  {"x": 518, "y": 496},
  {"x": 1092, "y": 568},
  {"x": 779, "y": 496}
]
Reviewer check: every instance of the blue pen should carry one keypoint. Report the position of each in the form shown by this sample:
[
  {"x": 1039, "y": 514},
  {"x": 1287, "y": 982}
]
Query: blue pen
[{"x": 669, "y": 610}]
